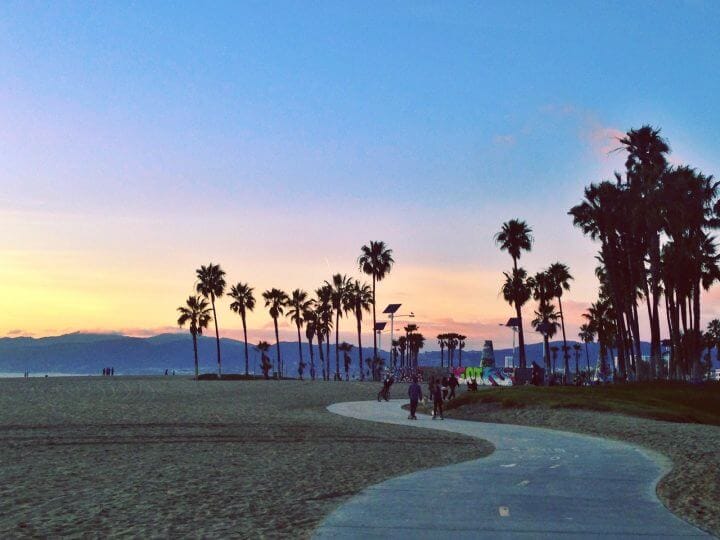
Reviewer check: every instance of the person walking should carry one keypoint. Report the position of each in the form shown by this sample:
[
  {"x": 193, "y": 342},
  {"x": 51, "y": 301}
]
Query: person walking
[
  {"x": 444, "y": 387},
  {"x": 383, "y": 393},
  {"x": 415, "y": 395},
  {"x": 453, "y": 384},
  {"x": 437, "y": 402}
]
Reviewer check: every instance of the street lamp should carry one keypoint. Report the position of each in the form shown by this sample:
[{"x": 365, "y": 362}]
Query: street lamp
[{"x": 391, "y": 310}]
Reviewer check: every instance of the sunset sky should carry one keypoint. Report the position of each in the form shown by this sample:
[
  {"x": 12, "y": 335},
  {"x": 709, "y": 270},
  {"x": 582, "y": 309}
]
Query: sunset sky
[{"x": 141, "y": 140}]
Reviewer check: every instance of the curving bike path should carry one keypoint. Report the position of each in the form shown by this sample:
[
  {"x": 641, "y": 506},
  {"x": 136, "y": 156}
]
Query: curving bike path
[{"x": 539, "y": 483}]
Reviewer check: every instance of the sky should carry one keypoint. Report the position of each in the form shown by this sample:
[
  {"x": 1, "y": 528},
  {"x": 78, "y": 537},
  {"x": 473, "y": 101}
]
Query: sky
[{"x": 139, "y": 140}]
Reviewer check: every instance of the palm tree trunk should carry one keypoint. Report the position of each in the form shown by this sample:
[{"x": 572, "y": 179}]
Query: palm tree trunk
[
  {"x": 322, "y": 357},
  {"x": 375, "y": 353},
  {"x": 312, "y": 360},
  {"x": 360, "y": 356},
  {"x": 246, "y": 346},
  {"x": 197, "y": 367},
  {"x": 337, "y": 344},
  {"x": 278, "y": 368},
  {"x": 442, "y": 359},
  {"x": 521, "y": 337},
  {"x": 566, "y": 355},
  {"x": 327, "y": 351},
  {"x": 521, "y": 334},
  {"x": 299, "y": 342},
  {"x": 217, "y": 335},
  {"x": 587, "y": 358}
]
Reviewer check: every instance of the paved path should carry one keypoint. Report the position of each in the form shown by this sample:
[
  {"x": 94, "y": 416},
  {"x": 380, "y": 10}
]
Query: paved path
[{"x": 538, "y": 483}]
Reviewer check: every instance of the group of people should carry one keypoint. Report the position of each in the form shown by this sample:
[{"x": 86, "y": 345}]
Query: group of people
[
  {"x": 109, "y": 371},
  {"x": 439, "y": 390}
]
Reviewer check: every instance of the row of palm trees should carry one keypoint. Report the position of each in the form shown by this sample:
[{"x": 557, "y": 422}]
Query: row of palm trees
[
  {"x": 653, "y": 222},
  {"x": 406, "y": 349},
  {"x": 338, "y": 297},
  {"x": 452, "y": 342}
]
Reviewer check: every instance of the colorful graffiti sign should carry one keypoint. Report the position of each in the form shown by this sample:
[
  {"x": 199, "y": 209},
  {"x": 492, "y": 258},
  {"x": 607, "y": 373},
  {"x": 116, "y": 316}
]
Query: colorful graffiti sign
[{"x": 488, "y": 375}]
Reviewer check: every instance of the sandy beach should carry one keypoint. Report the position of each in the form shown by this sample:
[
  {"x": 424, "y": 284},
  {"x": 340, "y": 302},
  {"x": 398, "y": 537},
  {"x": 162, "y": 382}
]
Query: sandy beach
[{"x": 168, "y": 456}]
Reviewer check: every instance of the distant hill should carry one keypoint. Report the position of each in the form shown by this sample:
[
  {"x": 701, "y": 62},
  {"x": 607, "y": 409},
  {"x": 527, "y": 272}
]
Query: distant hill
[{"x": 90, "y": 353}]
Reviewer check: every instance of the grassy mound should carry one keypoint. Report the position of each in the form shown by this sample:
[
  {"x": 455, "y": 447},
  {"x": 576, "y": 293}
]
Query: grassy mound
[{"x": 671, "y": 402}]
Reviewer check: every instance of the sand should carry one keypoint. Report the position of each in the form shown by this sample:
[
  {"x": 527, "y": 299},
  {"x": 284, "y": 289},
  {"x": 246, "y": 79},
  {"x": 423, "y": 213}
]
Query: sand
[
  {"x": 691, "y": 489},
  {"x": 167, "y": 456}
]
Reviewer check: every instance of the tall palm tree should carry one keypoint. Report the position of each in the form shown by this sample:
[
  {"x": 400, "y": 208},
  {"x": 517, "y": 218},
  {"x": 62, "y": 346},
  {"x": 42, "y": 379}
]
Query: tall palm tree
[
  {"x": 197, "y": 314},
  {"x": 346, "y": 348},
  {"x": 338, "y": 287},
  {"x": 442, "y": 341},
  {"x": 265, "y": 364},
  {"x": 358, "y": 299},
  {"x": 402, "y": 347},
  {"x": 375, "y": 260},
  {"x": 299, "y": 305},
  {"x": 311, "y": 327},
  {"x": 243, "y": 301},
  {"x": 515, "y": 237},
  {"x": 516, "y": 291},
  {"x": 577, "y": 348},
  {"x": 211, "y": 284},
  {"x": 560, "y": 276},
  {"x": 276, "y": 300},
  {"x": 324, "y": 322},
  {"x": 545, "y": 322},
  {"x": 461, "y": 346}
]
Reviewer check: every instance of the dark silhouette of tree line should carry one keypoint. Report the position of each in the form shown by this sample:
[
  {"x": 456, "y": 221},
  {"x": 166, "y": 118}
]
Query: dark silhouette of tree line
[{"x": 654, "y": 224}]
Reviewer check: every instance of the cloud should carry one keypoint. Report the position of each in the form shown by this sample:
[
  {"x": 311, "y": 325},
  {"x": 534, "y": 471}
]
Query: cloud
[
  {"x": 604, "y": 140},
  {"x": 504, "y": 140},
  {"x": 18, "y": 332}
]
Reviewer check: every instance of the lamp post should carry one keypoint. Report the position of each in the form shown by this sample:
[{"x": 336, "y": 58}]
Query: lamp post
[
  {"x": 391, "y": 310},
  {"x": 379, "y": 327}
]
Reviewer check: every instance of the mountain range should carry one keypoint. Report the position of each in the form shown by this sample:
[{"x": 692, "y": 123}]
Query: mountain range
[{"x": 86, "y": 354}]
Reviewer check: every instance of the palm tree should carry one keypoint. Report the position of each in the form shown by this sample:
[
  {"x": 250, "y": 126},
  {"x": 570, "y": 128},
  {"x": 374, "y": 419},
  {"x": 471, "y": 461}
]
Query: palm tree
[
  {"x": 311, "y": 328},
  {"x": 299, "y": 305},
  {"x": 346, "y": 348},
  {"x": 276, "y": 300},
  {"x": 324, "y": 323},
  {"x": 395, "y": 347},
  {"x": 545, "y": 322},
  {"x": 587, "y": 335},
  {"x": 376, "y": 260},
  {"x": 577, "y": 348},
  {"x": 196, "y": 313},
  {"x": 338, "y": 287},
  {"x": 211, "y": 284},
  {"x": 358, "y": 299},
  {"x": 516, "y": 291},
  {"x": 515, "y": 237},
  {"x": 461, "y": 346},
  {"x": 402, "y": 347},
  {"x": 244, "y": 301},
  {"x": 554, "y": 349},
  {"x": 560, "y": 277},
  {"x": 265, "y": 364},
  {"x": 442, "y": 341}
]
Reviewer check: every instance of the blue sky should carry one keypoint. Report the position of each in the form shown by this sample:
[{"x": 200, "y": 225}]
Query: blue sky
[{"x": 287, "y": 134}]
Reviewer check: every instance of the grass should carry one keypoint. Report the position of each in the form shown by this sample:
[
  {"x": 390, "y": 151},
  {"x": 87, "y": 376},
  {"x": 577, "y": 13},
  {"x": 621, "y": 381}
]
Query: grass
[{"x": 670, "y": 402}]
